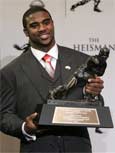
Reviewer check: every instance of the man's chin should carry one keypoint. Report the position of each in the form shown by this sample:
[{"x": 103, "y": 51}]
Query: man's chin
[{"x": 46, "y": 42}]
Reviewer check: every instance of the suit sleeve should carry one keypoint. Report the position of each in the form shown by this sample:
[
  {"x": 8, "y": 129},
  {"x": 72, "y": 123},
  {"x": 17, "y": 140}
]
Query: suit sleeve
[{"x": 10, "y": 123}]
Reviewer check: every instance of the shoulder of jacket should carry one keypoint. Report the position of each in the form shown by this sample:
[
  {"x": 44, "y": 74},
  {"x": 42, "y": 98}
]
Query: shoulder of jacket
[{"x": 73, "y": 51}]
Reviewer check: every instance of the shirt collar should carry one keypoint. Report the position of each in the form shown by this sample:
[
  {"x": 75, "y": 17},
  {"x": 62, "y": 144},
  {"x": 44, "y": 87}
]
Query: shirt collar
[{"x": 40, "y": 54}]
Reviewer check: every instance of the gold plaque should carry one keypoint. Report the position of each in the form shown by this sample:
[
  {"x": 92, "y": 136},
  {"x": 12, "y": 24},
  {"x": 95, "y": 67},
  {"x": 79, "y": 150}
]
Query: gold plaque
[{"x": 72, "y": 115}]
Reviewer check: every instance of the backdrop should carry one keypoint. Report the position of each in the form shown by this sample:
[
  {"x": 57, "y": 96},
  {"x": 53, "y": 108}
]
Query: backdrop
[{"x": 82, "y": 29}]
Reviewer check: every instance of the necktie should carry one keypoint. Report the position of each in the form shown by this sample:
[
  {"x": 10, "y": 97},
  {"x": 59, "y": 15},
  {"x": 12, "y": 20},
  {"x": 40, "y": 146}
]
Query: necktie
[{"x": 48, "y": 66}]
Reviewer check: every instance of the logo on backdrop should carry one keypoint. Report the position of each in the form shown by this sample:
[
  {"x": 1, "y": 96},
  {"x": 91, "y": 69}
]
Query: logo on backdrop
[{"x": 83, "y": 2}]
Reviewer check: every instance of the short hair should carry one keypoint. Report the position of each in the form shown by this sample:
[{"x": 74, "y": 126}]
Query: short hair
[{"x": 32, "y": 10}]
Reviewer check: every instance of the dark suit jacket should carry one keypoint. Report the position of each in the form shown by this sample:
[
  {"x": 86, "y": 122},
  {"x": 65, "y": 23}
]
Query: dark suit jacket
[{"x": 25, "y": 83}]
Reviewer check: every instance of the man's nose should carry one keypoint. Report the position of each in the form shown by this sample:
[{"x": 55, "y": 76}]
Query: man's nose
[{"x": 42, "y": 27}]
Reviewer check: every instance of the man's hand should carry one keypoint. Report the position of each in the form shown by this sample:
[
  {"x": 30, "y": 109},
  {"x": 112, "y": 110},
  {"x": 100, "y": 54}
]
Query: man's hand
[
  {"x": 94, "y": 86},
  {"x": 30, "y": 126}
]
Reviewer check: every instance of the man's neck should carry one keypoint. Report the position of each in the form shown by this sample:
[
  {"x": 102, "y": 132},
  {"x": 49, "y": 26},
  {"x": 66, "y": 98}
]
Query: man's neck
[{"x": 44, "y": 48}]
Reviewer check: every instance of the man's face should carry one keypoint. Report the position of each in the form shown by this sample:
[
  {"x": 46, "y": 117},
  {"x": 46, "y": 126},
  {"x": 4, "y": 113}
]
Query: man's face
[{"x": 40, "y": 30}]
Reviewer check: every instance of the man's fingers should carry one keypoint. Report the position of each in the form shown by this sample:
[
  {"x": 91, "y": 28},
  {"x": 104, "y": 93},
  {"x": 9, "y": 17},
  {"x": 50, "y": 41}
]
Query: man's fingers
[
  {"x": 30, "y": 126},
  {"x": 96, "y": 80},
  {"x": 94, "y": 86},
  {"x": 32, "y": 117}
]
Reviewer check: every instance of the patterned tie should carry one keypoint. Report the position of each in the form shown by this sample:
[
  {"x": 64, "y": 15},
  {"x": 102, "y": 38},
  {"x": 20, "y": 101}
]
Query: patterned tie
[{"x": 48, "y": 66}]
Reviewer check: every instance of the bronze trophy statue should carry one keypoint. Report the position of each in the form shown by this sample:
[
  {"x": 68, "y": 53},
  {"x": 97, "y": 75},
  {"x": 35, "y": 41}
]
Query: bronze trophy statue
[{"x": 94, "y": 66}]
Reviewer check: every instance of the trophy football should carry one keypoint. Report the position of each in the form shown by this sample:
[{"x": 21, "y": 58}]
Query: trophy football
[{"x": 90, "y": 111}]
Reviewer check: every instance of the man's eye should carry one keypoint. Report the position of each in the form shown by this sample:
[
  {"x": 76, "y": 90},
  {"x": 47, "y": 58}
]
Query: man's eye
[
  {"x": 46, "y": 22},
  {"x": 33, "y": 25}
]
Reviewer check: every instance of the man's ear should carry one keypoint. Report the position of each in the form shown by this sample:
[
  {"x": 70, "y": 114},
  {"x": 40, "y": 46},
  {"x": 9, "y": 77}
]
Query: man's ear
[{"x": 26, "y": 32}]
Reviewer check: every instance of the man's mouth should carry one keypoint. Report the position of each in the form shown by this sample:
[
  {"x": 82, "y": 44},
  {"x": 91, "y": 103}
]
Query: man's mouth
[{"x": 44, "y": 36}]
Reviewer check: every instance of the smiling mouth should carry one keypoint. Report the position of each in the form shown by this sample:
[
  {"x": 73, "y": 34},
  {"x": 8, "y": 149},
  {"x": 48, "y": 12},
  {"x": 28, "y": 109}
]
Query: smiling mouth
[{"x": 44, "y": 36}]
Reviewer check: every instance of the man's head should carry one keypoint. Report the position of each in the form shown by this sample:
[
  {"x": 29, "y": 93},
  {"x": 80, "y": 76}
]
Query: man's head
[{"x": 38, "y": 26}]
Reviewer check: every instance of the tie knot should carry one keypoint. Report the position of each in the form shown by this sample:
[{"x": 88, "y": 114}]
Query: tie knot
[{"x": 47, "y": 58}]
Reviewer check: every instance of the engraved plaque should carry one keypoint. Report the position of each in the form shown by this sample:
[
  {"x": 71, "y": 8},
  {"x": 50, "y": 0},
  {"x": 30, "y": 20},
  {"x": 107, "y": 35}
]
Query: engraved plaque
[{"x": 67, "y": 115}]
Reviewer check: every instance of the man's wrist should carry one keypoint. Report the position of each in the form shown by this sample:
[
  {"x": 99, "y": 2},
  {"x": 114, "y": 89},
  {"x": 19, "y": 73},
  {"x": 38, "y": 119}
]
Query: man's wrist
[{"x": 28, "y": 136}]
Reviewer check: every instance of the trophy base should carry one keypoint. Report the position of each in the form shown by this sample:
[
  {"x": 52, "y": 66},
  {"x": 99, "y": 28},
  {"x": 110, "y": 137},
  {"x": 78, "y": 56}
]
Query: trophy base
[{"x": 74, "y": 113}]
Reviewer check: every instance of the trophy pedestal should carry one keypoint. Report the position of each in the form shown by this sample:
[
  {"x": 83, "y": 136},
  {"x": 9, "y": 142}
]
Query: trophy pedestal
[{"x": 71, "y": 113}]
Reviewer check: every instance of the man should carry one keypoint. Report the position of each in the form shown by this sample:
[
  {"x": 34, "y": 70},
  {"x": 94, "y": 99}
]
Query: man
[
  {"x": 82, "y": 2},
  {"x": 26, "y": 83}
]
